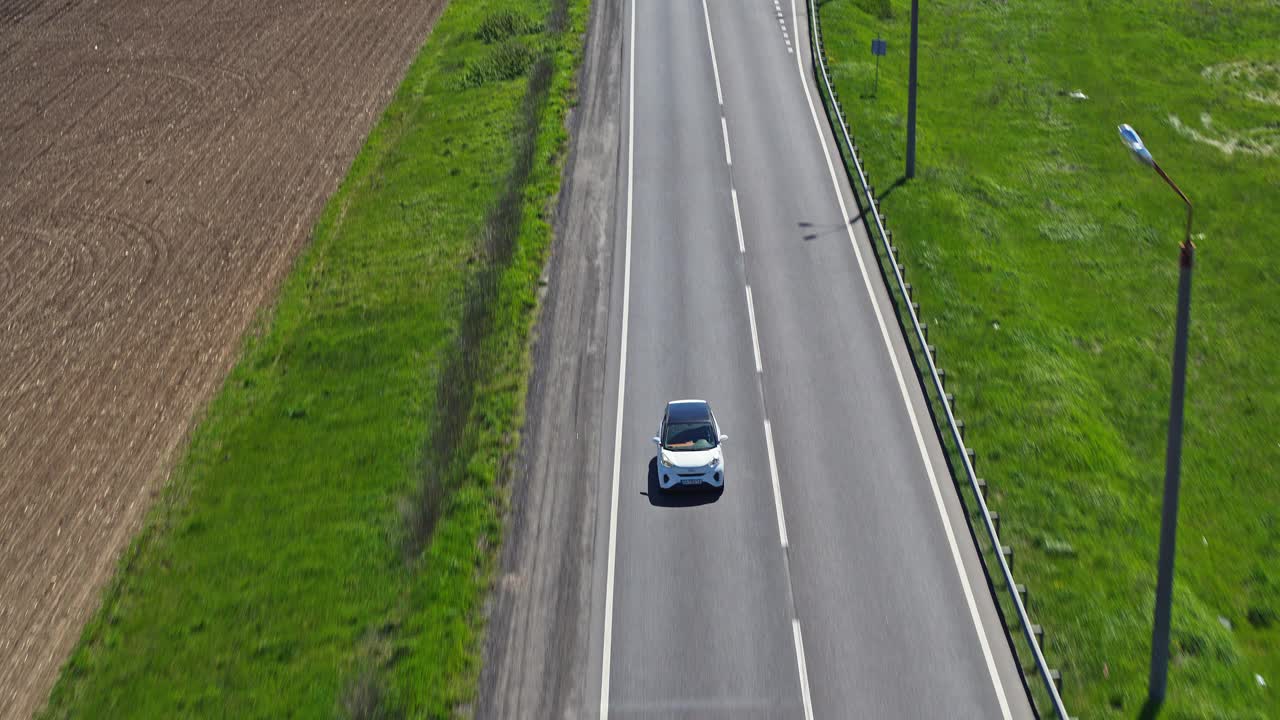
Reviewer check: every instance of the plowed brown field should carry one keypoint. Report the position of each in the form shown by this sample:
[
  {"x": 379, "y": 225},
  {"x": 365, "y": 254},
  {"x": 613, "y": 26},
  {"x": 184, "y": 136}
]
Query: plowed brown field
[{"x": 161, "y": 161}]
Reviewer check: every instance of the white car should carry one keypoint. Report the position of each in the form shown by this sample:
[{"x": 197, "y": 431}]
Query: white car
[{"x": 689, "y": 446}]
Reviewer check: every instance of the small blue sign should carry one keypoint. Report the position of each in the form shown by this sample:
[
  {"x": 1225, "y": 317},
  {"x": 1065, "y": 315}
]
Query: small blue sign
[{"x": 879, "y": 47}]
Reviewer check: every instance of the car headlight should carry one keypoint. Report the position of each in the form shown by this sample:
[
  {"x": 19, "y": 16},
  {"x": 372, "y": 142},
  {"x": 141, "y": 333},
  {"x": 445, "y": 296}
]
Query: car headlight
[
  {"x": 715, "y": 462},
  {"x": 666, "y": 461}
]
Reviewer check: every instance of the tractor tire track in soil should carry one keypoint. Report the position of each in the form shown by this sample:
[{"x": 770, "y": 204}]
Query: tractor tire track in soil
[{"x": 162, "y": 162}]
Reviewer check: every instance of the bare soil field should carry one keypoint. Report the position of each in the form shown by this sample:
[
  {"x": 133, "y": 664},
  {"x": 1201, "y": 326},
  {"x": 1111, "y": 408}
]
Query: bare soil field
[{"x": 161, "y": 162}]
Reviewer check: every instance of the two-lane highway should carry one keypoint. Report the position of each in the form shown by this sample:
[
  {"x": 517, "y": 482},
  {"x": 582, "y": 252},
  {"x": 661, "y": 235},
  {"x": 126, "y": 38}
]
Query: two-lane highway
[{"x": 835, "y": 576}]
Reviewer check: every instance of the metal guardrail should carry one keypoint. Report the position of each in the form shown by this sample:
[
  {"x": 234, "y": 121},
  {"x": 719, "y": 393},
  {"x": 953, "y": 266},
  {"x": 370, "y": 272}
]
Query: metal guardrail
[{"x": 1028, "y": 630}]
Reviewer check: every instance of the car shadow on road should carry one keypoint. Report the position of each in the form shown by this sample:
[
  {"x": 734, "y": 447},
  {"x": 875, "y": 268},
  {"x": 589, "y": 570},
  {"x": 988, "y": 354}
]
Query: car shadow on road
[{"x": 676, "y": 497}]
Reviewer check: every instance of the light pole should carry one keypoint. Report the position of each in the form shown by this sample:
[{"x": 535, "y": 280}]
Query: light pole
[
  {"x": 911, "y": 90},
  {"x": 1158, "y": 679}
]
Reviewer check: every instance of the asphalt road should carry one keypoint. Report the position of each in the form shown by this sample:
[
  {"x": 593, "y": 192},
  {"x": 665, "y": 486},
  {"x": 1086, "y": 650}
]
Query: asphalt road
[{"x": 835, "y": 577}]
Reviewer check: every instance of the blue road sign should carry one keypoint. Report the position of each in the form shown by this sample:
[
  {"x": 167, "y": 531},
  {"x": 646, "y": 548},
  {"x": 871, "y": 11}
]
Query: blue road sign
[{"x": 879, "y": 47}]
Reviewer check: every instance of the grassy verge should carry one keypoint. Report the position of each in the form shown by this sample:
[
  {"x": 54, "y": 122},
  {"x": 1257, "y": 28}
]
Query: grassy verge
[
  {"x": 326, "y": 544},
  {"x": 1045, "y": 262}
]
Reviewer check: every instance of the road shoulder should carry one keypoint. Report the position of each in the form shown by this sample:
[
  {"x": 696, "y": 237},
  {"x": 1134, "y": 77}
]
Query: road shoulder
[{"x": 537, "y": 646}]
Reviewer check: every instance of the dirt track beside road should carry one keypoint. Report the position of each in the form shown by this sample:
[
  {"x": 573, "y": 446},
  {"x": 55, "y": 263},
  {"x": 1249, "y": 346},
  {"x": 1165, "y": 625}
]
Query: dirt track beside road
[
  {"x": 541, "y": 612},
  {"x": 161, "y": 162}
]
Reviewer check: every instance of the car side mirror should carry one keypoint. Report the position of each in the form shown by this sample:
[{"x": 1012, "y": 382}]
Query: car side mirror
[
  {"x": 655, "y": 440},
  {"x": 723, "y": 438}
]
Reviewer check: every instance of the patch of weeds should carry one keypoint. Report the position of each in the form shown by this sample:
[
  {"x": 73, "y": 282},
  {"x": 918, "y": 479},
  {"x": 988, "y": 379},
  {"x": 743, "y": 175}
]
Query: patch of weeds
[
  {"x": 507, "y": 61},
  {"x": 1056, "y": 547},
  {"x": 1069, "y": 231},
  {"x": 505, "y": 24},
  {"x": 881, "y": 9},
  {"x": 1262, "y": 594},
  {"x": 364, "y": 698},
  {"x": 421, "y": 510},
  {"x": 1260, "y": 617}
]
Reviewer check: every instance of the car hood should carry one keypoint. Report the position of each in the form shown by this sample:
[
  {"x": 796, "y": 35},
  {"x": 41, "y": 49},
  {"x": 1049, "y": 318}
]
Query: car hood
[{"x": 691, "y": 458}]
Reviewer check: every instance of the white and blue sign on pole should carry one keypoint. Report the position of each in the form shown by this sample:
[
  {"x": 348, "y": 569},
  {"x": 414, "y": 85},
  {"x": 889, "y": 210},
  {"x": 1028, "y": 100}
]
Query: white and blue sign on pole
[{"x": 878, "y": 47}]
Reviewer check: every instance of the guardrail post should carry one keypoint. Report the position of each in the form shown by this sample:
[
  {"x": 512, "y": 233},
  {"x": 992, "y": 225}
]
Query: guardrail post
[
  {"x": 1022, "y": 594},
  {"x": 951, "y": 399},
  {"x": 1007, "y": 552},
  {"x": 960, "y": 428},
  {"x": 1056, "y": 677},
  {"x": 1038, "y": 633},
  {"x": 942, "y": 374},
  {"x": 973, "y": 461},
  {"x": 995, "y": 522}
]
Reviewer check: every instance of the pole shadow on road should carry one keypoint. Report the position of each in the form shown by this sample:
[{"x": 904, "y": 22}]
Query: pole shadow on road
[
  {"x": 676, "y": 497},
  {"x": 813, "y": 231}
]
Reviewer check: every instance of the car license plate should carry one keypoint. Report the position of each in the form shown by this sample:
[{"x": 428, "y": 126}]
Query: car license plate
[{"x": 691, "y": 481}]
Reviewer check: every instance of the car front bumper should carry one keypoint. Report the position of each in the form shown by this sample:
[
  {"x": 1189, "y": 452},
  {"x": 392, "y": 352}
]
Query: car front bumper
[{"x": 681, "y": 477}]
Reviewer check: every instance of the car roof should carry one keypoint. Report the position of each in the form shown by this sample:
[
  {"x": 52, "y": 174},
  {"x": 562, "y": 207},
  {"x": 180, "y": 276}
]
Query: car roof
[{"x": 683, "y": 411}]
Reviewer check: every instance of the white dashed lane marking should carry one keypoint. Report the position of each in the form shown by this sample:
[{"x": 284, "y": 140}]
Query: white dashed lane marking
[
  {"x": 724, "y": 128},
  {"x": 737, "y": 221},
  {"x": 755, "y": 337},
  {"x": 782, "y": 24}
]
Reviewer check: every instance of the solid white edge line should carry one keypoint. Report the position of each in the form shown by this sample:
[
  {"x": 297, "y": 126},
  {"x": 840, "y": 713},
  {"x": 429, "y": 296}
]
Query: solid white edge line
[
  {"x": 607, "y": 657},
  {"x": 906, "y": 398},
  {"x": 737, "y": 220},
  {"x": 755, "y": 339},
  {"x": 777, "y": 488},
  {"x": 715, "y": 69},
  {"x": 724, "y": 128},
  {"x": 804, "y": 671}
]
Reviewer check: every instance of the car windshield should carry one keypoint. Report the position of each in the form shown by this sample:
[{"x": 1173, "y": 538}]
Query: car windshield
[{"x": 699, "y": 435}]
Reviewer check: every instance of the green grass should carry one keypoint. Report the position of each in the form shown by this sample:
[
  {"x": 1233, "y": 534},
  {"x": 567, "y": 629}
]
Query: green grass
[
  {"x": 1045, "y": 263},
  {"x": 326, "y": 544}
]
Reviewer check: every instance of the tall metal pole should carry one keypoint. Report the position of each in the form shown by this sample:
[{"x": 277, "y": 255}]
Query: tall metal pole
[
  {"x": 911, "y": 90},
  {"x": 1158, "y": 681}
]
